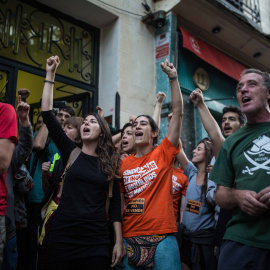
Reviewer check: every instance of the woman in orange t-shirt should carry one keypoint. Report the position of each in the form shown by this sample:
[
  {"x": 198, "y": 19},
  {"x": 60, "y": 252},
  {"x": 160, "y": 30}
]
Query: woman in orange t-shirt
[{"x": 146, "y": 185}]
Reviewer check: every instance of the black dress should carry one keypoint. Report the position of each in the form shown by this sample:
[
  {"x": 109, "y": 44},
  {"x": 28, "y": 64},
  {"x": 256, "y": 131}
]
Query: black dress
[{"x": 80, "y": 227}]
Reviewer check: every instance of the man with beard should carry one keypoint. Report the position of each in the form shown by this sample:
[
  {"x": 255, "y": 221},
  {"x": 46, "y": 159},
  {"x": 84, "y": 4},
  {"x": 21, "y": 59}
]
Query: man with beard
[{"x": 232, "y": 119}]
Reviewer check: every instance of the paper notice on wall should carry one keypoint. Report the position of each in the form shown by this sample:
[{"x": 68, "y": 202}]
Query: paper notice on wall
[{"x": 162, "y": 46}]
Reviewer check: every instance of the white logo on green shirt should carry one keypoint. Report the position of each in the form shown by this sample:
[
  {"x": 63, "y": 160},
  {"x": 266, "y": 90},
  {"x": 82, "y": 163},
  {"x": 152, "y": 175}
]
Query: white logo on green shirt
[{"x": 259, "y": 152}]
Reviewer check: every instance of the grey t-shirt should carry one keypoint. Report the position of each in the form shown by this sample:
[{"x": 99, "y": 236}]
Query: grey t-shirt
[{"x": 198, "y": 215}]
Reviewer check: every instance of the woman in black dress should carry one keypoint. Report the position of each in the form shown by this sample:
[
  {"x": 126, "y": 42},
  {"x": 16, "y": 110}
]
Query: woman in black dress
[{"x": 79, "y": 237}]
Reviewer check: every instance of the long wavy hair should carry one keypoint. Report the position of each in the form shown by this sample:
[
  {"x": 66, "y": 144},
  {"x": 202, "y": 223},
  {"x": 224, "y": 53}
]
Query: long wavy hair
[
  {"x": 207, "y": 157},
  {"x": 108, "y": 157}
]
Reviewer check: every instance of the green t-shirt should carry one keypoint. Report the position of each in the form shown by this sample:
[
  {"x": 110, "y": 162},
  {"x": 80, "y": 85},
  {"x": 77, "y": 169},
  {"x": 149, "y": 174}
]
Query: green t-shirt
[
  {"x": 244, "y": 163},
  {"x": 36, "y": 194}
]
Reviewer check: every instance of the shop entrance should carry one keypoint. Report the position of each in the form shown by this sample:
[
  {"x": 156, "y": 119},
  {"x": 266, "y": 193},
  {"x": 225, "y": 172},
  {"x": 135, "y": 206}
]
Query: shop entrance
[
  {"x": 29, "y": 34},
  {"x": 12, "y": 79}
]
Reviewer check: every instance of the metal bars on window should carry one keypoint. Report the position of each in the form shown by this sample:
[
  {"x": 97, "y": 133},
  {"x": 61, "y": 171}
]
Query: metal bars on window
[
  {"x": 31, "y": 35},
  {"x": 250, "y": 8}
]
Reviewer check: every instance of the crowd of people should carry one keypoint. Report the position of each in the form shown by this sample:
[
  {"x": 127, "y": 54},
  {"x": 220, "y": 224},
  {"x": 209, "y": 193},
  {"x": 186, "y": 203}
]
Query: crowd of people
[{"x": 74, "y": 196}]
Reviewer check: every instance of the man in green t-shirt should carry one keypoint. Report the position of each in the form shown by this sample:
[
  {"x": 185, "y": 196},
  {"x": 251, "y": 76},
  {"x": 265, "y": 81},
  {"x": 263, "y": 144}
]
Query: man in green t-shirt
[{"x": 242, "y": 172}]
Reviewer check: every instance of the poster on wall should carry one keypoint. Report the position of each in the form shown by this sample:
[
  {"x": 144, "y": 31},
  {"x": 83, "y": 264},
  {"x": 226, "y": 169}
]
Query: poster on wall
[{"x": 162, "y": 46}]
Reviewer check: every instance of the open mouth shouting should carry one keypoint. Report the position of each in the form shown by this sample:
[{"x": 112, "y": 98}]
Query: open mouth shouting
[
  {"x": 125, "y": 144},
  {"x": 227, "y": 128},
  {"x": 86, "y": 130},
  {"x": 246, "y": 100},
  {"x": 138, "y": 135}
]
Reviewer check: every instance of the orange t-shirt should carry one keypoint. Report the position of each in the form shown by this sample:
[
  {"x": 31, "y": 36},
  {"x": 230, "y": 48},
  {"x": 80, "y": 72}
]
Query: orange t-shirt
[
  {"x": 147, "y": 184},
  {"x": 179, "y": 188}
]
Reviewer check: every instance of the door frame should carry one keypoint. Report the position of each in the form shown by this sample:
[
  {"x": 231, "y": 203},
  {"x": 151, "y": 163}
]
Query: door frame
[{"x": 12, "y": 75}]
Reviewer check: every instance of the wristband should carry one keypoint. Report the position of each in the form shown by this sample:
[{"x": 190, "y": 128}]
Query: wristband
[
  {"x": 172, "y": 78},
  {"x": 49, "y": 82}
]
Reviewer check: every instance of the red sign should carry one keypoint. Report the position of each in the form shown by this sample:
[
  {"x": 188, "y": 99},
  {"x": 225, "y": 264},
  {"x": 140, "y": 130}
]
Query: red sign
[
  {"x": 212, "y": 56},
  {"x": 162, "y": 51}
]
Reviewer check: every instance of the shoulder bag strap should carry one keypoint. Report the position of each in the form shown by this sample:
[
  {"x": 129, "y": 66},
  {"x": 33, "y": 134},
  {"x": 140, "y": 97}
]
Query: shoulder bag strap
[
  {"x": 109, "y": 196},
  {"x": 73, "y": 156}
]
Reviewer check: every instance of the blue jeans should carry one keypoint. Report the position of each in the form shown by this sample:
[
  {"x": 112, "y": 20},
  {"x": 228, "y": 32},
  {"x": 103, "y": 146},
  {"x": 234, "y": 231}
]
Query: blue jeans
[
  {"x": 166, "y": 257},
  {"x": 10, "y": 255},
  {"x": 237, "y": 256}
]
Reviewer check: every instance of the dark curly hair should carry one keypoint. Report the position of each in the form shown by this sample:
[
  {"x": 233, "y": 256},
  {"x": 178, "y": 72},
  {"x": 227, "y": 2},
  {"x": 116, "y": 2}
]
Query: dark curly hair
[
  {"x": 68, "y": 109},
  {"x": 109, "y": 158},
  {"x": 241, "y": 115}
]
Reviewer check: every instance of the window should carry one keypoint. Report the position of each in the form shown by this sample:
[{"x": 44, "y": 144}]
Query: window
[{"x": 250, "y": 8}]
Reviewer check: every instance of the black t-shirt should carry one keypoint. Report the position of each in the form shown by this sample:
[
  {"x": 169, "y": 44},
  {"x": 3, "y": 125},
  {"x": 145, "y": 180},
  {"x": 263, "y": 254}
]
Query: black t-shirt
[{"x": 80, "y": 226}]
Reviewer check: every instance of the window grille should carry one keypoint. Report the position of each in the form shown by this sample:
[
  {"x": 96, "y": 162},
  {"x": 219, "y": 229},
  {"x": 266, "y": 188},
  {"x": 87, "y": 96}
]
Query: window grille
[{"x": 250, "y": 8}]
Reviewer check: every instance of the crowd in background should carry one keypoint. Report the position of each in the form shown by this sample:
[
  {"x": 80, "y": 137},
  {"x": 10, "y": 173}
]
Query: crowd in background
[{"x": 74, "y": 196}]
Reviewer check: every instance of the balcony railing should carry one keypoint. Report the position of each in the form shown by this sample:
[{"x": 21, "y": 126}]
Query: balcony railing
[{"x": 250, "y": 8}]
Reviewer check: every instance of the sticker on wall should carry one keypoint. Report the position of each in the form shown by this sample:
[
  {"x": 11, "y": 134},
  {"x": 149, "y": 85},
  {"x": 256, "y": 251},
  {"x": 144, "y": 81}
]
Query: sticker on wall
[
  {"x": 201, "y": 79},
  {"x": 162, "y": 46}
]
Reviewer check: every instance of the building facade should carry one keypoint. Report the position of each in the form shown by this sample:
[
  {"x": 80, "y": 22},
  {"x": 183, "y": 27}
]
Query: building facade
[{"x": 110, "y": 53}]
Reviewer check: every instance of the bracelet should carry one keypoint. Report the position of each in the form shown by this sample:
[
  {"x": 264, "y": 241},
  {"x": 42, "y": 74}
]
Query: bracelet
[
  {"x": 49, "y": 81},
  {"x": 172, "y": 78}
]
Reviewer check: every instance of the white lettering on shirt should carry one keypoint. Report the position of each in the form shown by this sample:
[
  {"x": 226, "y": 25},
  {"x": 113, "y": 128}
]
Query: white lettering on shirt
[{"x": 138, "y": 179}]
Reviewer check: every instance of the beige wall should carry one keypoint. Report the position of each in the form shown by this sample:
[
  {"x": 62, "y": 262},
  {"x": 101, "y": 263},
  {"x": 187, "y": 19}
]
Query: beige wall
[
  {"x": 108, "y": 67},
  {"x": 265, "y": 16},
  {"x": 127, "y": 61},
  {"x": 166, "y": 5}
]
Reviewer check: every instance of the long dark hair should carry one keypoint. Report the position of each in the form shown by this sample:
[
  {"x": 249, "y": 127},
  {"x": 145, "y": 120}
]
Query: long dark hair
[
  {"x": 109, "y": 158},
  {"x": 208, "y": 156}
]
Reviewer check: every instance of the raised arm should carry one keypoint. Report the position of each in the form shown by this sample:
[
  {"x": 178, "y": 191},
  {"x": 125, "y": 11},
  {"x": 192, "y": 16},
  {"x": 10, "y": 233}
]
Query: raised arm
[
  {"x": 115, "y": 138},
  {"x": 157, "y": 112},
  {"x": 25, "y": 143},
  {"x": 47, "y": 100},
  {"x": 173, "y": 133},
  {"x": 41, "y": 138},
  {"x": 181, "y": 157},
  {"x": 208, "y": 121},
  {"x": 100, "y": 111},
  {"x": 57, "y": 134},
  {"x": 47, "y": 96}
]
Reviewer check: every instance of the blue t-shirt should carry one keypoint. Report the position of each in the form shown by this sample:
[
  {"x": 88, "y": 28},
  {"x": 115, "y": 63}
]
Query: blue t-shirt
[
  {"x": 198, "y": 214},
  {"x": 36, "y": 194}
]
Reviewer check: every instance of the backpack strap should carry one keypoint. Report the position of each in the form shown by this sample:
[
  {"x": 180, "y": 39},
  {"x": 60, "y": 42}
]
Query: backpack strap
[
  {"x": 73, "y": 156},
  {"x": 109, "y": 196}
]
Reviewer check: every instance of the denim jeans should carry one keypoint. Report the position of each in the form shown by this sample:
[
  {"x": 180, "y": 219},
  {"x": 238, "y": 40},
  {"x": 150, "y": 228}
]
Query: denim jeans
[
  {"x": 2, "y": 237},
  {"x": 237, "y": 256},
  {"x": 166, "y": 257},
  {"x": 10, "y": 255}
]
